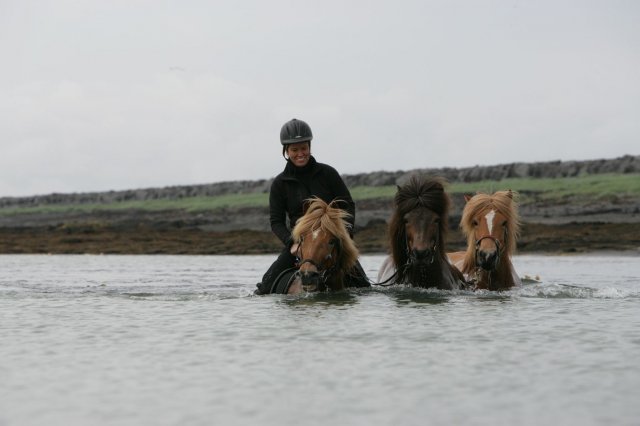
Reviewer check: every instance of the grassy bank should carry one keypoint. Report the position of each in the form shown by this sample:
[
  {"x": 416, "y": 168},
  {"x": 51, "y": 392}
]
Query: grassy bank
[
  {"x": 603, "y": 186},
  {"x": 592, "y": 187}
]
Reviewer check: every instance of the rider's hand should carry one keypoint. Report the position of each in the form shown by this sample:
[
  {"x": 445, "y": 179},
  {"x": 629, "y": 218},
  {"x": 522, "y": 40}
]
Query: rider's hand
[{"x": 294, "y": 248}]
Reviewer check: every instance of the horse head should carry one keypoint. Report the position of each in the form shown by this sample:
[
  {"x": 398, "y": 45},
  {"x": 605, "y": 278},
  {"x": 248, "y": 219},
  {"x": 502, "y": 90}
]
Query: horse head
[
  {"x": 490, "y": 224},
  {"x": 422, "y": 235},
  {"x": 325, "y": 249},
  {"x": 317, "y": 251},
  {"x": 417, "y": 232},
  {"x": 419, "y": 222}
]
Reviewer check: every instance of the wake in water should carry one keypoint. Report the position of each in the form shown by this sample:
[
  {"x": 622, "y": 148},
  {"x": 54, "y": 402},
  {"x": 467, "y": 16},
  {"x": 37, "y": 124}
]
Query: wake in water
[
  {"x": 568, "y": 291},
  {"x": 534, "y": 288}
]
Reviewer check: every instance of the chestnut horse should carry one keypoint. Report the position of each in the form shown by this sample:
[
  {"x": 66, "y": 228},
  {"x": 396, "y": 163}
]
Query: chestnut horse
[
  {"x": 417, "y": 236},
  {"x": 491, "y": 225},
  {"x": 325, "y": 250}
]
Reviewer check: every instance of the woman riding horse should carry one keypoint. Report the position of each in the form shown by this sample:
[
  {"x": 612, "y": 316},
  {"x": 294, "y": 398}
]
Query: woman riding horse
[{"x": 303, "y": 178}]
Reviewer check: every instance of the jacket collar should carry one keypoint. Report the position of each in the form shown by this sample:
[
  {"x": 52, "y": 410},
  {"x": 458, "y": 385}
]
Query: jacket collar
[{"x": 291, "y": 170}]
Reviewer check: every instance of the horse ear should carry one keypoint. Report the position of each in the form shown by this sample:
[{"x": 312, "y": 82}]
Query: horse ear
[{"x": 467, "y": 197}]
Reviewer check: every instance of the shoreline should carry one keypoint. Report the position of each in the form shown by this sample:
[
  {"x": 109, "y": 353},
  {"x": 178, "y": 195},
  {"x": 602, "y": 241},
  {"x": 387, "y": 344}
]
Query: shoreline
[
  {"x": 604, "y": 253},
  {"x": 535, "y": 238},
  {"x": 580, "y": 207}
]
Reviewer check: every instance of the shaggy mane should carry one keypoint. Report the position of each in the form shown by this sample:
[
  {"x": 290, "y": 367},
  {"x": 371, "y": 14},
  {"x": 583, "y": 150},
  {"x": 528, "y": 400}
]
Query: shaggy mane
[
  {"x": 419, "y": 191},
  {"x": 331, "y": 219},
  {"x": 501, "y": 201}
]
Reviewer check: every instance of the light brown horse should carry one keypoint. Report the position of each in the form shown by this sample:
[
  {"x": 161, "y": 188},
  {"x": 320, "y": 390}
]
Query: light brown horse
[
  {"x": 491, "y": 224},
  {"x": 325, "y": 250},
  {"x": 417, "y": 236}
]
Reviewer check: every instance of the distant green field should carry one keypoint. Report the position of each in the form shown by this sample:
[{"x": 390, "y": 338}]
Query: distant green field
[
  {"x": 594, "y": 186},
  {"x": 604, "y": 186},
  {"x": 600, "y": 186},
  {"x": 189, "y": 204}
]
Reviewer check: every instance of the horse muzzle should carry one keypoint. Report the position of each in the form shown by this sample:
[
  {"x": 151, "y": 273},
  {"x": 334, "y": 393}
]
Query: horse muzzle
[
  {"x": 426, "y": 256},
  {"x": 487, "y": 260},
  {"x": 311, "y": 280}
]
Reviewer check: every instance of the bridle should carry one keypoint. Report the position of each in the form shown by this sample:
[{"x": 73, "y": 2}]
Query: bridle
[
  {"x": 496, "y": 241},
  {"x": 324, "y": 270},
  {"x": 492, "y": 238},
  {"x": 411, "y": 261},
  {"x": 411, "y": 254}
]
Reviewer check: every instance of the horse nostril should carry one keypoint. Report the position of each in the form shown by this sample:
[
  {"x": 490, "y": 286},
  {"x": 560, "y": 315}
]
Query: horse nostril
[
  {"x": 487, "y": 260},
  {"x": 309, "y": 275},
  {"x": 421, "y": 254}
]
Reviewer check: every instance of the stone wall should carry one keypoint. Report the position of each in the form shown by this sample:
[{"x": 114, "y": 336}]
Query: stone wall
[{"x": 554, "y": 169}]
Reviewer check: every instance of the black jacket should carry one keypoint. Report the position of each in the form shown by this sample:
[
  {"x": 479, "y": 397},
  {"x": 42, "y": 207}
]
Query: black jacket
[{"x": 294, "y": 185}]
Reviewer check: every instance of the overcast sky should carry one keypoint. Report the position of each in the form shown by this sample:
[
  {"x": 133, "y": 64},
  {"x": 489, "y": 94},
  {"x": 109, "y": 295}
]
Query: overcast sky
[{"x": 102, "y": 95}]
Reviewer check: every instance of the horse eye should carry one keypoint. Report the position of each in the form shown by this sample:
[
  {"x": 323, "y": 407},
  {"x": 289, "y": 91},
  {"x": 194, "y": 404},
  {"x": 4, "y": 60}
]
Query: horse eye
[
  {"x": 504, "y": 223},
  {"x": 474, "y": 223}
]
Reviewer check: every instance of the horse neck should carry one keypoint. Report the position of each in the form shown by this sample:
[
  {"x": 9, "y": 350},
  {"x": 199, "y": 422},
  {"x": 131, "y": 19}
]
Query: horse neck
[
  {"x": 500, "y": 279},
  {"x": 336, "y": 281}
]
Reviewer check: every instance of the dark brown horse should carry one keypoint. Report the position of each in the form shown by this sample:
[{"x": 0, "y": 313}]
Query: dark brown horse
[
  {"x": 491, "y": 224},
  {"x": 417, "y": 236},
  {"x": 325, "y": 250}
]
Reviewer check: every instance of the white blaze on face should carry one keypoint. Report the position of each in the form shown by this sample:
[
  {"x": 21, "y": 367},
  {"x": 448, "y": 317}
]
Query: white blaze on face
[
  {"x": 315, "y": 234},
  {"x": 489, "y": 218}
]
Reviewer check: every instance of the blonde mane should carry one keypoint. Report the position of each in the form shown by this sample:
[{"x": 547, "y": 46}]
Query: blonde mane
[
  {"x": 330, "y": 219},
  {"x": 501, "y": 201}
]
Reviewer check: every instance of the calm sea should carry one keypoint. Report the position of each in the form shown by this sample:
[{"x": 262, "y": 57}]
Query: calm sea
[{"x": 180, "y": 340}]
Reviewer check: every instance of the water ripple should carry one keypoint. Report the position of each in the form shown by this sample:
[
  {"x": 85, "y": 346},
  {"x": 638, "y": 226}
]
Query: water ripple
[
  {"x": 105, "y": 340},
  {"x": 565, "y": 291}
]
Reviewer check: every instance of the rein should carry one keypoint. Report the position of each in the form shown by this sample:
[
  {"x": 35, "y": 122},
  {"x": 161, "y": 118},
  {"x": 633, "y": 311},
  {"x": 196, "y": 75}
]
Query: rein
[
  {"x": 387, "y": 283},
  {"x": 280, "y": 275}
]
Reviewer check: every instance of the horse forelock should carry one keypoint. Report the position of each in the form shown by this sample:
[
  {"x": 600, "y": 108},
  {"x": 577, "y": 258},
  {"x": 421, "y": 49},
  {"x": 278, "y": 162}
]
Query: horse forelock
[
  {"x": 422, "y": 192},
  {"x": 503, "y": 203},
  {"x": 321, "y": 216}
]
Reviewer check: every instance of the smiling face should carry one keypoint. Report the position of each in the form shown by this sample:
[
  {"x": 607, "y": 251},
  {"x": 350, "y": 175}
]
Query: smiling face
[{"x": 299, "y": 153}]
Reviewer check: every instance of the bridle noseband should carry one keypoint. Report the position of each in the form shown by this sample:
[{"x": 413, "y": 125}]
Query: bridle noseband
[
  {"x": 411, "y": 254},
  {"x": 492, "y": 238},
  {"x": 496, "y": 241},
  {"x": 321, "y": 275}
]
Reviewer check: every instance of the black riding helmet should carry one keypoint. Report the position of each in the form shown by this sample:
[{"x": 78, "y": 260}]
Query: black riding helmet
[{"x": 294, "y": 131}]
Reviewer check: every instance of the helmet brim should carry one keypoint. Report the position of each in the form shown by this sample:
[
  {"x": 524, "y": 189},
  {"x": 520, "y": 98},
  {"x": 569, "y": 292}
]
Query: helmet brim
[{"x": 296, "y": 140}]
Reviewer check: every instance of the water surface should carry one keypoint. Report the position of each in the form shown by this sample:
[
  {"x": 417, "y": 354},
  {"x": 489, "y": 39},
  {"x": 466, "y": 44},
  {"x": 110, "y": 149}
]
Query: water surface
[{"x": 169, "y": 340}]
